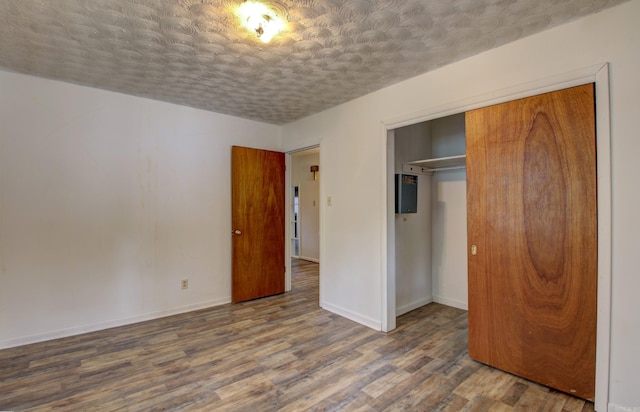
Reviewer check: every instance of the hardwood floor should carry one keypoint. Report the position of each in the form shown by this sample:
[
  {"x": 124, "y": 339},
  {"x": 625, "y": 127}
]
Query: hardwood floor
[{"x": 281, "y": 353}]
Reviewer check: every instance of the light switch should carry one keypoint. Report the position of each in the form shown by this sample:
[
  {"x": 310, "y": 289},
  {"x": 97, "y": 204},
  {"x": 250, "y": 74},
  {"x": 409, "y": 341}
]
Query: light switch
[{"x": 329, "y": 201}]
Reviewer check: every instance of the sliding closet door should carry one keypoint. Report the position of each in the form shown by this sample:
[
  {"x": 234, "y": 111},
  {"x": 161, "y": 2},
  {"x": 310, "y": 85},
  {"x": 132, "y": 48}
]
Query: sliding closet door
[{"x": 531, "y": 199}]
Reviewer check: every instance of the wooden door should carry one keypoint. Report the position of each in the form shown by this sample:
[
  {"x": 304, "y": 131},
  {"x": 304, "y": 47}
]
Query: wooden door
[
  {"x": 531, "y": 199},
  {"x": 258, "y": 214}
]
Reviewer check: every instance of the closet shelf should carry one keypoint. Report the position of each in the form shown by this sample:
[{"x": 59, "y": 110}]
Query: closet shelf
[{"x": 429, "y": 166}]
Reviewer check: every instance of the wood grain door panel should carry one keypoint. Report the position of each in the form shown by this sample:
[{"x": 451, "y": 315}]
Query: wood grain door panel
[
  {"x": 531, "y": 199},
  {"x": 258, "y": 218}
]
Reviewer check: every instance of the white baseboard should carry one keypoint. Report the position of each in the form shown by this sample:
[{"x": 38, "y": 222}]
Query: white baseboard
[
  {"x": 619, "y": 408},
  {"x": 451, "y": 302},
  {"x": 309, "y": 259},
  {"x": 356, "y": 317},
  {"x": 413, "y": 305},
  {"x": 93, "y": 327}
]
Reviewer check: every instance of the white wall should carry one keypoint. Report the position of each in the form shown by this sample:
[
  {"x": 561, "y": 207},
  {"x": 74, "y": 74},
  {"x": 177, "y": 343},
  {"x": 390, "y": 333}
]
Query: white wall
[
  {"x": 309, "y": 203},
  {"x": 413, "y": 230},
  {"x": 107, "y": 202},
  {"x": 449, "y": 216},
  {"x": 354, "y": 227}
]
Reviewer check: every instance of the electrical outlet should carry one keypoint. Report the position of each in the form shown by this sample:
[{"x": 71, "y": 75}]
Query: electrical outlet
[{"x": 185, "y": 283}]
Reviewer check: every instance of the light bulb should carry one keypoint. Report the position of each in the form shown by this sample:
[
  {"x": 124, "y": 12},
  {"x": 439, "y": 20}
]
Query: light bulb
[{"x": 261, "y": 20}]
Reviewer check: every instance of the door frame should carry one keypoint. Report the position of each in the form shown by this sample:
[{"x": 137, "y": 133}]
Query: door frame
[
  {"x": 289, "y": 217},
  {"x": 598, "y": 74}
]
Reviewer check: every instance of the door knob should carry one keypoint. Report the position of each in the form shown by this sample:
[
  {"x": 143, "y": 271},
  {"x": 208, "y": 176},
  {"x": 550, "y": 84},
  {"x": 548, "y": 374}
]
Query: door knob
[
  {"x": 474, "y": 250},
  {"x": 237, "y": 232}
]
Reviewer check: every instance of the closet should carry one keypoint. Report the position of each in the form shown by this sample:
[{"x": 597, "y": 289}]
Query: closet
[
  {"x": 531, "y": 236},
  {"x": 430, "y": 248}
]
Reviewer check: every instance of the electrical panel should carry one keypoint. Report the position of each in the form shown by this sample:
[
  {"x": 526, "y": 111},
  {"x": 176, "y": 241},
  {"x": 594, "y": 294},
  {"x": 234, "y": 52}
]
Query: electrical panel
[{"x": 406, "y": 193}]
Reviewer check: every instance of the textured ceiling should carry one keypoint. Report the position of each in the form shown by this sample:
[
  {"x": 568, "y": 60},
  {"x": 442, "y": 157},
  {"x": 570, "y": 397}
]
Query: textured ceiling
[{"x": 194, "y": 52}]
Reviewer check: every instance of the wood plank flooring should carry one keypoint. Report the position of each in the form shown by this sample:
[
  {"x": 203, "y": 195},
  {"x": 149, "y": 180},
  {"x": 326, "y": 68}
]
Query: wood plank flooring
[{"x": 281, "y": 353}]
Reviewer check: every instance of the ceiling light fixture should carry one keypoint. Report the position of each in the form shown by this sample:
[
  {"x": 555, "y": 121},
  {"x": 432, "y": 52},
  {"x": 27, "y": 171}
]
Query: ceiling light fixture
[{"x": 258, "y": 18}]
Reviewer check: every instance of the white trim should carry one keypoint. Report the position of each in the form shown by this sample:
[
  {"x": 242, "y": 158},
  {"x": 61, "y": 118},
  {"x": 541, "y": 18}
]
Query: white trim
[
  {"x": 303, "y": 149},
  {"x": 413, "y": 305},
  {"x": 388, "y": 234},
  {"x": 321, "y": 211},
  {"x": 93, "y": 327},
  {"x": 619, "y": 408},
  {"x": 356, "y": 317},
  {"x": 598, "y": 74},
  {"x": 309, "y": 259},
  {"x": 288, "y": 253},
  {"x": 451, "y": 302},
  {"x": 605, "y": 213}
]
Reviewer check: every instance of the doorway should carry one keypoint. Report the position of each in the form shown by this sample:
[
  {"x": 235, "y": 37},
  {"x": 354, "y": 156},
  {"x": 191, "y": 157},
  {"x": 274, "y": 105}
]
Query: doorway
[
  {"x": 431, "y": 271},
  {"x": 303, "y": 193},
  {"x": 595, "y": 74}
]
